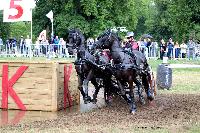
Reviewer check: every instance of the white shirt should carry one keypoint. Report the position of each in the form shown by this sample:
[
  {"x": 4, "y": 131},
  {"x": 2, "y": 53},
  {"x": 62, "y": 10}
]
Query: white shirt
[{"x": 28, "y": 42}]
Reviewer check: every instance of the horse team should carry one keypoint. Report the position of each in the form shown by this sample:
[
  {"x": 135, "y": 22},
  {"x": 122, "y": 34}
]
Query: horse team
[{"x": 107, "y": 65}]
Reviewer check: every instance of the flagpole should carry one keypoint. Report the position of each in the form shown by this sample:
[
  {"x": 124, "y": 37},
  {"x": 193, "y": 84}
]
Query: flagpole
[
  {"x": 52, "y": 27},
  {"x": 31, "y": 25},
  {"x": 31, "y": 33}
]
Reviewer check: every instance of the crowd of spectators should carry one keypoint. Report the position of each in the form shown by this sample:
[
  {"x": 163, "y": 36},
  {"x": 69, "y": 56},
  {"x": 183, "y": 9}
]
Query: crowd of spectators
[
  {"x": 24, "y": 46},
  {"x": 175, "y": 50},
  {"x": 58, "y": 47}
]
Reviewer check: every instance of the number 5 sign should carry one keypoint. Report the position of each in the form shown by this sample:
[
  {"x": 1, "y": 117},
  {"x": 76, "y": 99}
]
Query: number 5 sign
[{"x": 18, "y": 10}]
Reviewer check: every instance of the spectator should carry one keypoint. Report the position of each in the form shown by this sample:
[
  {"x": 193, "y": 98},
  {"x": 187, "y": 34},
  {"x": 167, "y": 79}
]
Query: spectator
[
  {"x": 183, "y": 47},
  {"x": 147, "y": 43},
  {"x": 141, "y": 45},
  {"x": 37, "y": 47},
  {"x": 45, "y": 44},
  {"x": 177, "y": 50},
  {"x": 170, "y": 47},
  {"x": 7, "y": 46},
  {"x": 191, "y": 49},
  {"x": 14, "y": 45},
  {"x": 62, "y": 44},
  {"x": 149, "y": 47},
  {"x": 131, "y": 44},
  {"x": 56, "y": 43},
  {"x": 21, "y": 45},
  {"x": 162, "y": 49},
  {"x": 28, "y": 45},
  {"x": 154, "y": 47}
]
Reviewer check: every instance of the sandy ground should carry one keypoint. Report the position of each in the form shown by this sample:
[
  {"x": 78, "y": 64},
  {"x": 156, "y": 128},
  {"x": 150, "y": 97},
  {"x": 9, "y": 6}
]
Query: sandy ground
[{"x": 170, "y": 112}]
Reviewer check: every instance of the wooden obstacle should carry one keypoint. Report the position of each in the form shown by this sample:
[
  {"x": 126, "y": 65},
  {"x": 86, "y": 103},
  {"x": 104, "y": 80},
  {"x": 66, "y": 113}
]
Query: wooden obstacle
[{"x": 46, "y": 86}]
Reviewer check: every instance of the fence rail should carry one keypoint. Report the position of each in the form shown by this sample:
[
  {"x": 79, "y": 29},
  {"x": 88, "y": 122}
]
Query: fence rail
[
  {"x": 61, "y": 51},
  {"x": 36, "y": 50}
]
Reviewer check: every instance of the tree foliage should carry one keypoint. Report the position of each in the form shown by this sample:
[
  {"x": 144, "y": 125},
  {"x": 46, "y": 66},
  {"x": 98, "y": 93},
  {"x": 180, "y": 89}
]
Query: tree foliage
[
  {"x": 4, "y": 28},
  {"x": 91, "y": 16},
  {"x": 179, "y": 19}
]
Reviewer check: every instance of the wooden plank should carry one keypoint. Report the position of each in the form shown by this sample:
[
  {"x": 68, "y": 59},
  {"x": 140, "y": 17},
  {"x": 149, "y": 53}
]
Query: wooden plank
[
  {"x": 42, "y": 73},
  {"x": 33, "y": 91},
  {"x": 43, "y": 65},
  {"x": 38, "y": 102},
  {"x": 39, "y": 95},
  {"x": 55, "y": 69},
  {"x": 33, "y": 107}
]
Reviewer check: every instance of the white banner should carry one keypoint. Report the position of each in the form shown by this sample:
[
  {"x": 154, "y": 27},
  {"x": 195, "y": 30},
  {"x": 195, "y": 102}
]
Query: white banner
[
  {"x": 2, "y": 5},
  {"x": 18, "y": 10}
]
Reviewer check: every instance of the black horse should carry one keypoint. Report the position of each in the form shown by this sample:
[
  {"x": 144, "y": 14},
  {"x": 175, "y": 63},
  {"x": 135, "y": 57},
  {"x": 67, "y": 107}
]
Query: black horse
[
  {"x": 127, "y": 66},
  {"x": 89, "y": 67}
]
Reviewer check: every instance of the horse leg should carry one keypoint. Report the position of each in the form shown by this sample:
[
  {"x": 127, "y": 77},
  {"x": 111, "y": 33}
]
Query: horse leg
[
  {"x": 97, "y": 88},
  {"x": 80, "y": 86},
  {"x": 131, "y": 93},
  {"x": 107, "y": 89},
  {"x": 122, "y": 92},
  {"x": 145, "y": 82},
  {"x": 85, "y": 86},
  {"x": 121, "y": 88},
  {"x": 141, "y": 97}
]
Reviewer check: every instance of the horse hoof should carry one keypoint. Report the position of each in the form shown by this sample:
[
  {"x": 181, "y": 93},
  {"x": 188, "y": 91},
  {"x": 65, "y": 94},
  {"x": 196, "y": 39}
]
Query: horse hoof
[
  {"x": 94, "y": 101},
  {"x": 108, "y": 103},
  {"x": 142, "y": 102},
  {"x": 85, "y": 102},
  {"x": 150, "y": 98},
  {"x": 132, "y": 112},
  {"x": 89, "y": 98}
]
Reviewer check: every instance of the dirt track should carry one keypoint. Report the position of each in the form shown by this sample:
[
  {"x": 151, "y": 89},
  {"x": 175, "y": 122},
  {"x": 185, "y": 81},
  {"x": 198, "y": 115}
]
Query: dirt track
[{"x": 173, "y": 112}]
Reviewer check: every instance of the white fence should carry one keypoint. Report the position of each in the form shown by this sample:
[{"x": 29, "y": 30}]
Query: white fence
[
  {"x": 36, "y": 50},
  {"x": 61, "y": 51}
]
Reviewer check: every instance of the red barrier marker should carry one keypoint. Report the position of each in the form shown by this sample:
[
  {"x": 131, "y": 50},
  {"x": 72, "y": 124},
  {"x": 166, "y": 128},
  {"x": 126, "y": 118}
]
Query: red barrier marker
[
  {"x": 67, "y": 96},
  {"x": 7, "y": 87}
]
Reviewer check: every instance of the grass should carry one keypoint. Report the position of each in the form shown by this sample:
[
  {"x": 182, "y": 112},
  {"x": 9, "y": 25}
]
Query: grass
[{"x": 184, "y": 80}]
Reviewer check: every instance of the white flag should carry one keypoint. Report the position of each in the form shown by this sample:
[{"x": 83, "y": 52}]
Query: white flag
[{"x": 50, "y": 15}]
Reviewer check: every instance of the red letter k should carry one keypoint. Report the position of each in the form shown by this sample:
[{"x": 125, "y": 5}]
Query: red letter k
[{"x": 7, "y": 87}]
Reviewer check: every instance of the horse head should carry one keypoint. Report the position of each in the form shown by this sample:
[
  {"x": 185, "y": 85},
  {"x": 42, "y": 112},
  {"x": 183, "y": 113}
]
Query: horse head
[
  {"x": 106, "y": 40},
  {"x": 75, "y": 38}
]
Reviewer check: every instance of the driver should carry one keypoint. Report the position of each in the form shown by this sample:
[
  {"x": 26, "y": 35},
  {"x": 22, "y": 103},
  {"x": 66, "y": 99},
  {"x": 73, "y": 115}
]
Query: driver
[{"x": 131, "y": 44}]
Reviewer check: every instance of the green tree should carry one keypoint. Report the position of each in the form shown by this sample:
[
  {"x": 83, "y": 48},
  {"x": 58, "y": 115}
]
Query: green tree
[
  {"x": 19, "y": 29},
  {"x": 185, "y": 18},
  {"x": 159, "y": 25},
  {"x": 4, "y": 28},
  {"x": 90, "y": 16}
]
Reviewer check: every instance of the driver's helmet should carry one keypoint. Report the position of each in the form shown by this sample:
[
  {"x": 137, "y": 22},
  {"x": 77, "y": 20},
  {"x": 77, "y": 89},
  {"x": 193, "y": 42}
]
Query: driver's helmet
[{"x": 129, "y": 34}]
